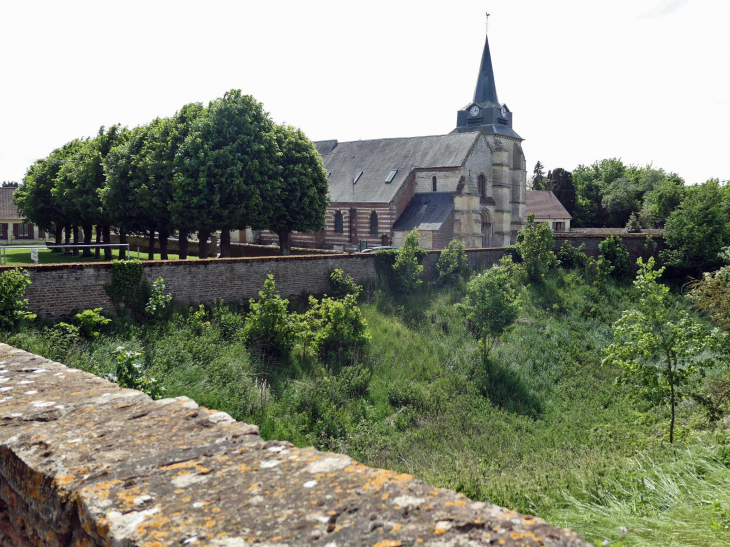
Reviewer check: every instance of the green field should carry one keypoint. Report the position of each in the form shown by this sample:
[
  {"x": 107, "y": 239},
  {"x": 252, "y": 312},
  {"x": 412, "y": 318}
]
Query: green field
[
  {"x": 542, "y": 428},
  {"x": 16, "y": 257}
]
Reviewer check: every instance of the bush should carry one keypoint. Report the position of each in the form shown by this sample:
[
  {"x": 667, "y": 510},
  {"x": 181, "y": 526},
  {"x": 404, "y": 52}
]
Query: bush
[
  {"x": 128, "y": 288},
  {"x": 13, "y": 307},
  {"x": 90, "y": 322},
  {"x": 535, "y": 243},
  {"x": 571, "y": 257},
  {"x": 230, "y": 324},
  {"x": 384, "y": 261},
  {"x": 334, "y": 328},
  {"x": 61, "y": 338},
  {"x": 129, "y": 374},
  {"x": 407, "y": 268},
  {"x": 453, "y": 264},
  {"x": 268, "y": 326},
  {"x": 342, "y": 284},
  {"x": 711, "y": 294},
  {"x": 158, "y": 300},
  {"x": 616, "y": 255}
]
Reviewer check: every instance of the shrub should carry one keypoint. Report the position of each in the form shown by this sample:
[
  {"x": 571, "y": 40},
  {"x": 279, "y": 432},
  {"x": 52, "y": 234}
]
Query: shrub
[
  {"x": 335, "y": 328},
  {"x": 90, "y": 322},
  {"x": 13, "y": 307},
  {"x": 572, "y": 257},
  {"x": 614, "y": 252},
  {"x": 407, "y": 268},
  {"x": 453, "y": 264},
  {"x": 158, "y": 300},
  {"x": 711, "y": 294},
  {"x": 129, "y": 374},
  {"x": 535, "y": 243},
  {"x": 492, "y": 304},
  {"x": 61, "y": 338},
  {"x": 633, "y": 226},
  {"x": 384, "y": 261},
  {"x": 229, "y": 323},
  {"x": 197, "y": 320},
  {"x": 342, "y": 284},
  {"x": 128, "y": 288},
  {"x": 268, "y": 326}
]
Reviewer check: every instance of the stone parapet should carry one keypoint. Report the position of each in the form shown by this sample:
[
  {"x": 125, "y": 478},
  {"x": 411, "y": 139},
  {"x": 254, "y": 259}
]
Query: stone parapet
[{"x": 86, "y": 463}]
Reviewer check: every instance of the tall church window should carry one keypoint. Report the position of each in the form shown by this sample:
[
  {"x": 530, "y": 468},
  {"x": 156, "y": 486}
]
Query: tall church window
[
  {"x": 482, "y": 185},
  {"x": 373, "y": 223},
  {"x": 338, "y": 223},
  {"x": 433, "y": 183}
]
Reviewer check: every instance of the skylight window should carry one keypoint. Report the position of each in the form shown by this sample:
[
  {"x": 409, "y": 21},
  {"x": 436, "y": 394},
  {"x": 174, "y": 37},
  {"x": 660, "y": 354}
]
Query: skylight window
[
  {"x": 357, "y": 177},
  {"x": 391, "y": 176}
]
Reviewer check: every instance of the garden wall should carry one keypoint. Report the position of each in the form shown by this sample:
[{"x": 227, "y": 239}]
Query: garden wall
[
  {"x": 86, "y": 463},
  {"x": 635, "y": 243}
]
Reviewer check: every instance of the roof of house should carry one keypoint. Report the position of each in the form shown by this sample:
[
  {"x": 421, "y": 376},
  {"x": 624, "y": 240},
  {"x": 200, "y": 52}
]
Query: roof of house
[
  {"x": 8, "y": 210},
  {"x": 544, "y": 204},
  {"x": 376, "y": 159},
  {"x": 426, "y": 212}
]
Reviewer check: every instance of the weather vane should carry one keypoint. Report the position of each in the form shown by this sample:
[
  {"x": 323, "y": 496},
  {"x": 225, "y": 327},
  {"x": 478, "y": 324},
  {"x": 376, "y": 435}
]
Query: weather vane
[{"x": 487, "y": 21}]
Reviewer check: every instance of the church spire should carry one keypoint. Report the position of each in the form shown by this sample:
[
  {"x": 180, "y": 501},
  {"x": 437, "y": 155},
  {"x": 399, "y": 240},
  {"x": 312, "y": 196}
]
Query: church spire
[{"x": 485, "y": 93}]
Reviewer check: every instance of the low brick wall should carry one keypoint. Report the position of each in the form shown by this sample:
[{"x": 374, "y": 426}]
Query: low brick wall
[
  {"x": 634, "y": 243},
  {"x": 58, "y": 290},
  {"x": 86, "y": 463}
]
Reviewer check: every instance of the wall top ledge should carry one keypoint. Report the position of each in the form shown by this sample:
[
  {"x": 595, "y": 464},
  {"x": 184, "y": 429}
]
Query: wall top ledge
[{"x": 84, "y": 462}]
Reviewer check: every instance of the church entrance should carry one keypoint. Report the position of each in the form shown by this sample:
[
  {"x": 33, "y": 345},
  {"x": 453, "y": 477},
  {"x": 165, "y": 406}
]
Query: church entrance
[{"x": 486, "y": 230}]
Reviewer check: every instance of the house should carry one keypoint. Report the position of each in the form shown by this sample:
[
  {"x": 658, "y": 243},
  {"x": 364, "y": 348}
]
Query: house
[
  {"x": 13, "y": 229},
  {"x": 547, "y": 208},
  {"x": 468, "y": 185}
]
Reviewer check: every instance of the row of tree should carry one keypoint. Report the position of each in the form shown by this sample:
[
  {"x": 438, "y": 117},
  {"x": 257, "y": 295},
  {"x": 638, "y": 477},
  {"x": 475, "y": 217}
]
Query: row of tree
[{"x": 223, "y": 167}]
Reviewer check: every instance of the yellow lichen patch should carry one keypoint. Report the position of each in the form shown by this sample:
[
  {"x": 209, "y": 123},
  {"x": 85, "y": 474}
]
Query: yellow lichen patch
[
  {"x": 153, "y": 544},
  {"x": 210, "y": 524},
  {"x": 385, "y": 496},
  {"x": 101, "y": 490},
  {"x": 215, "y": 510},
  {"x": 388, "y": 543},
  {"x": 63, "y": 480},
  {"x": 460, "y": 503},
  {"x": 449, "y": 504},
  {"x": 180, "y": 465},
  {"x": 186, "y": 500},
  {"x": 179, "y": 491},
  {"x": 243, "y": 468},
  {"x": 396, "y": 527}
]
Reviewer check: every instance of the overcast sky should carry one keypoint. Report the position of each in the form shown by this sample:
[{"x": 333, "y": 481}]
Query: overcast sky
[{"x": 644, "y": 80}]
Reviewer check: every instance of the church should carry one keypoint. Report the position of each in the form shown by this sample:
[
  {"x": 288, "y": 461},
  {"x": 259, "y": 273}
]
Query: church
[{"x": 468, "y": 185}]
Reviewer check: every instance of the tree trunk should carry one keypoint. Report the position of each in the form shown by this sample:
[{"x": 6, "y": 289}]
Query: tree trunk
[
  {"x": 88, "y": 239},
  {"x": 182, "y": 243},
  {"x": 58, "y": 231},
  {"x": 107, "y": 234},
  {"x": 225, "y": 242},
  {"x": 203, "y": 243},
  {"x": 151, "y": 248},
  {"x": 67, "y": 229},
  {"x": 75, "y": 252},
  {"x": 284, "y": 242},
  {"x": 163, "y": 244},
  {"x": 122, "y": 250},
  {"x": 97, "y": 251}
]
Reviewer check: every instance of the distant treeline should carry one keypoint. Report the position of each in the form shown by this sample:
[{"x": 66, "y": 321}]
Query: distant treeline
[{"x": 223, "y": 167}]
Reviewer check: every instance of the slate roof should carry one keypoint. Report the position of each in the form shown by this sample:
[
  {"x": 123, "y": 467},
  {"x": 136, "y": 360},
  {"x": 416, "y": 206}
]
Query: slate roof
[
  {"x": 377, "y": 158},
  {"x": 8, "y": 210},
  {"x": 544, "y": 204},
  {"x": 426, "y": 212}
]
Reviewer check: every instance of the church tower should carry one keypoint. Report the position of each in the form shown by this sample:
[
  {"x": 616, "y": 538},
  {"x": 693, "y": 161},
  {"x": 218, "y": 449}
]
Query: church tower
[{"x": 485, "y": 113}]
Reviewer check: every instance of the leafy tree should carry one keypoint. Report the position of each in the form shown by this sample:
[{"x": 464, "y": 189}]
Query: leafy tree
[
  {"x": 572, "y": 257},
  {"x": 711, "y": 293},
  {"x": 13, "y": 307},
  {"x": 561, "y": 184},
  {"x": 10, "y": 184},
  {"x": 590, "y": 183},
  {"x": 657, "y": 346},
  {"x": 534, "y": 244},
  {"x": 303, "y": 194},
  {"x": 492, "y": 304},
  {"x": 538, "y": 176},
  {"x": 453, "y": 264},
  {"x": 35, "y": 199},
  {"x": 227, "y": 170},
  {"x": 698, "y": 229},
  {"x": 619, "y": 200},
  {"x": 662, "y": 200},
  {"x": 268, "y": 326},
  {"x": 633, "y": 226},
  {"x": 616, "y": 255},
  {"x": 407, "y": 268}
]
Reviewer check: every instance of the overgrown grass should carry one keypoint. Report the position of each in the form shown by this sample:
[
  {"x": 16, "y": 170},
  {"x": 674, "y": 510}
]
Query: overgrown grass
[{"x": 541, "y": 427}]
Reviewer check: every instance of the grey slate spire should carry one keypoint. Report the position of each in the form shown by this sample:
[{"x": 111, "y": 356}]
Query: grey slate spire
[{"x": 485, "y": 93}]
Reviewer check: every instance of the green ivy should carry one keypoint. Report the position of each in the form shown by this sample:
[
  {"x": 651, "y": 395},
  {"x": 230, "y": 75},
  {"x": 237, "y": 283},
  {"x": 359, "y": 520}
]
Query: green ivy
[{"x": 128, "y": 288}]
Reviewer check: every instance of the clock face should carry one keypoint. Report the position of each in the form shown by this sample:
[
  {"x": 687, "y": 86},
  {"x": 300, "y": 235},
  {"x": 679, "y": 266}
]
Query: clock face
[
  {"x": 474, "y": 110},
  {"x": 504, "y": 111}
]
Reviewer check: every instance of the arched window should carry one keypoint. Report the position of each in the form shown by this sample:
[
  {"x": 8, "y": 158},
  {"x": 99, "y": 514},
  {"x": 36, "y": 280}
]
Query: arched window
[
  {"x": 338, "y": 223},
  {"x": 373, "y": 223},
  {"x": 482, "y": 185},
  {"x": 433, "y": 182}
]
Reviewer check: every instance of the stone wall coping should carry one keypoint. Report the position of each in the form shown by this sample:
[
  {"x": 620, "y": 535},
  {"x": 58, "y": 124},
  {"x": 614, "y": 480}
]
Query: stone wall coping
[{"x": 84, "y": 462}]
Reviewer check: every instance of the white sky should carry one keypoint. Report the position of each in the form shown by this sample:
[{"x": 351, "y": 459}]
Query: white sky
[{"x": 643, "y": 80}]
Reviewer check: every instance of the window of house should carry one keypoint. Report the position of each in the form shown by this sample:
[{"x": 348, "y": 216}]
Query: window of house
[
  {"x": 373, "y": 223},
  {"x": 22, "y": 230},
  {"x": 433, "y": 183},
  {"x": 559, "y": 226},
  {"x": 482, "y": 185},
  {"x": 338, "y": 223}
]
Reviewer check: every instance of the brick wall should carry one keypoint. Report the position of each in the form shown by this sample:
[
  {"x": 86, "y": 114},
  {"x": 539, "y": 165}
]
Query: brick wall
[{"x": 634, "y": 243}]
